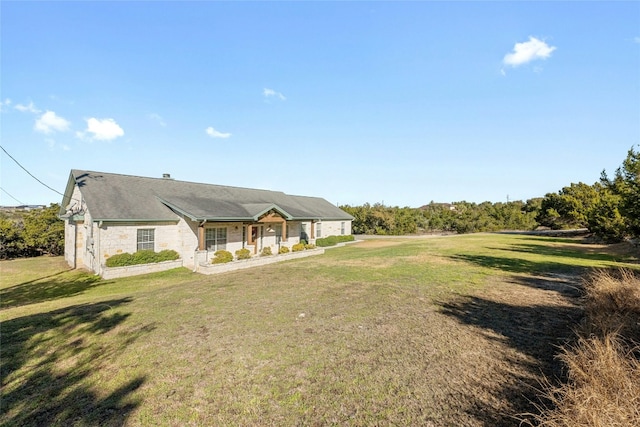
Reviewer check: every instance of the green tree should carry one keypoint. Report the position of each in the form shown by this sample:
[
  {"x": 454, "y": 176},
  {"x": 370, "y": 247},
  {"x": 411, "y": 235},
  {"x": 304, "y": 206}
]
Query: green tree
[
  {"x": 11, "y": 239},
  {"x": 627, "y": 185},
  {"x": 44, "y": 231},
  {"x": 569, "y": 208},
  {"x": 605, "y": 219}
]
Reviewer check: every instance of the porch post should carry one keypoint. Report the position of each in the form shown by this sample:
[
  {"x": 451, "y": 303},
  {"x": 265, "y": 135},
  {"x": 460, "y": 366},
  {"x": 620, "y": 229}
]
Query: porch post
[{"x": 201, "y": 237}]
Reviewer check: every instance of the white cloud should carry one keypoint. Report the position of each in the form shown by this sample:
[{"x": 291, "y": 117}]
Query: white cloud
[
  {"x": 157, "y": 118},
  {"x": 102, "y": 129},
  {"x": 528, "y": 51},
  {"x": 216, "y": 134},
  {"x": 52, "y": 145},
  {"x": 30, "y": 108},
  {"x": 636, "y": 40},
  {"x": 50, "y": 122},
  {"x": 268, "y": 93},
  {"x": 4, "y": 104}
]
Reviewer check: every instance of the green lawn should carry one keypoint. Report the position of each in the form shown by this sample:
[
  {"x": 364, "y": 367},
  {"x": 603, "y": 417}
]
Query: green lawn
[{"x": 440, "y": 331}]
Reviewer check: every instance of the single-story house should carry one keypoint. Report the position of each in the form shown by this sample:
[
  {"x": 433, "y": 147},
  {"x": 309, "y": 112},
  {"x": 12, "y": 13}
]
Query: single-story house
[{"x": 107, "y": 214}]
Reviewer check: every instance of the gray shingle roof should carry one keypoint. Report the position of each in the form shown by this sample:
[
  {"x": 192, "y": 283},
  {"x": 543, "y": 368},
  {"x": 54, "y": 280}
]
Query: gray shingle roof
[{"x": 118, "y": 197}]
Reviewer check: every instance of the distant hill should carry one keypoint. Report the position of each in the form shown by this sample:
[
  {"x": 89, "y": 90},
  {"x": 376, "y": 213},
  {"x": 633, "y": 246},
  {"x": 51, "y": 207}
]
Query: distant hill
[{"x": 21, "y": 208}]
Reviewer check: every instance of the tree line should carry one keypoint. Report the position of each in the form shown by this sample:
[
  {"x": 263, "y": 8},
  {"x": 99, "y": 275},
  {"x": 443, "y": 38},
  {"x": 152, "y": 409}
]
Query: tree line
[
  {"x": 458, "y": 217},
  {"x": 31, "y": 233},
  {"x": 609, "y": 208}
]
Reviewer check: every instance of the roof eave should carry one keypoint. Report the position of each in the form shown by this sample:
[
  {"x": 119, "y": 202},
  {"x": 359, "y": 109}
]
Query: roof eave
[
  {"x": 134, "y": 220},
  {"x": 224, "y": 219}
]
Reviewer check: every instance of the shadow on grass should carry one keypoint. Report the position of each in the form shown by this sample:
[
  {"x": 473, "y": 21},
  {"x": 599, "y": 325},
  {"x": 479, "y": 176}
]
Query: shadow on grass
[
  {"x": 48, "y": 363},
  {"x": 535, "y": 331},
  {"x": 519, "y": 265},
  {"x": 60, "y": 285},
  {"x": 570, "y": 251}
]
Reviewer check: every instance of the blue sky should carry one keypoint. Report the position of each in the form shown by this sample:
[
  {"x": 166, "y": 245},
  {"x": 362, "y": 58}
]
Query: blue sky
[{"x": 398, "y": 103}]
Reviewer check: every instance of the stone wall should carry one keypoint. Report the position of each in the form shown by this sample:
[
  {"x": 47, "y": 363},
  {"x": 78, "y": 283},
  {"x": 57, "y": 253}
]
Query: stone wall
[
  {"x": 135, "y": 270},
  {"x": 255, "y": 261}
]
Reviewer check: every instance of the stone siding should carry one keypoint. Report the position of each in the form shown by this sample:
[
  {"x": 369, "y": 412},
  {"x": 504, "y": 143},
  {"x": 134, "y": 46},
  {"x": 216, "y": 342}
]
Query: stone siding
[
  {"x": 334, "y": 228},
  {"x": 117, "y": 238}
]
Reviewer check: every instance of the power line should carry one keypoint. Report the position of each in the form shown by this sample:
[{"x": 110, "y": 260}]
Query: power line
[
  {"x": 30, "y": 174},
  {"x": 7, "y": 193}
]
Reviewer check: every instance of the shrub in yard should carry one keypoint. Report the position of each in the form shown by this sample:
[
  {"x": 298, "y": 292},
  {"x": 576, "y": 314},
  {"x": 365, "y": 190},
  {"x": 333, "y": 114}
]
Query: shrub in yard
[
  {"x": 120, "y": 260},
  {"x": 168, "y": 255},
  {"x": 146, "y": 256},
  {"x": 222, "y": 256},
  {"x": 283, "y": 250},
  {"x": 141, "y": 257},
  {"x": 334, "y": 240},
  {"x": 243, "y": 253},
  {"x": 309, "y": 246},
  {"x": 266, "y": 251},
  {"x": 298, "y": 247}
]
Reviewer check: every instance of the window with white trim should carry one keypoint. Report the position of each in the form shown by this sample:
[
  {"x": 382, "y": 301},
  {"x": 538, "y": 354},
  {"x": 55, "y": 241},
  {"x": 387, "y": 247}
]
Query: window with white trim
[
  {"x": 342, "y": 228},
  {"x": 318, "y": 230},
  {"x": 215, "y": 239},
  {"x": 146, "y": 239}
]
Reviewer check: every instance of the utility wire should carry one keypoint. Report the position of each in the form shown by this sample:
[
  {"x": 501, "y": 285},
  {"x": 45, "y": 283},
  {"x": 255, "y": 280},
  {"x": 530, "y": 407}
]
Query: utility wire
[
  {"x": 7, "y": 193},
  {"x": 30, "y": 174}
]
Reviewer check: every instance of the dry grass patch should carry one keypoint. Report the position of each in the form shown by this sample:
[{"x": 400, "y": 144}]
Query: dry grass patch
[
  {"x": 603, "y": 387},
  {"x": 378, "y": 243}
]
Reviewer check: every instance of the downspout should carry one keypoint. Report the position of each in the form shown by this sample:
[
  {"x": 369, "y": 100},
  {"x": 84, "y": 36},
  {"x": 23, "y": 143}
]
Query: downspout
[
  {"x": 195, "y": 259},
  {"x": 91, "y": 247},
  {"x": 97, "y": 245},
  {"x": 75, "y": 242}
]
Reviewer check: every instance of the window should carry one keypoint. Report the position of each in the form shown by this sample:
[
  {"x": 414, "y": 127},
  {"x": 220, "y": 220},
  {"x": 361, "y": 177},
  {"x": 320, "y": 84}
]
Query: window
[
  {"x": 146, "y": 239},
  {"x": 215, "y": 239},
  {"x": 318, "y": 230},
  {"x": 342, "y": 228}
]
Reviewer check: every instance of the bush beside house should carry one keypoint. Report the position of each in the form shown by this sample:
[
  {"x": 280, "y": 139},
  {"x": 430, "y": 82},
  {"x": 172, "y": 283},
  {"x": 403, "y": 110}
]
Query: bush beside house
[
  {"x": 334, "y": 240},
  {"x": 243, "y": 253},
  {"x": 141, "y": 257},
  {"x": 221, "y": 256}
]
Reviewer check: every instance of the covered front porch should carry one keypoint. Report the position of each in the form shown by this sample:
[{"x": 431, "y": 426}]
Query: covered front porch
[{"x": 272, "y": 229}]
